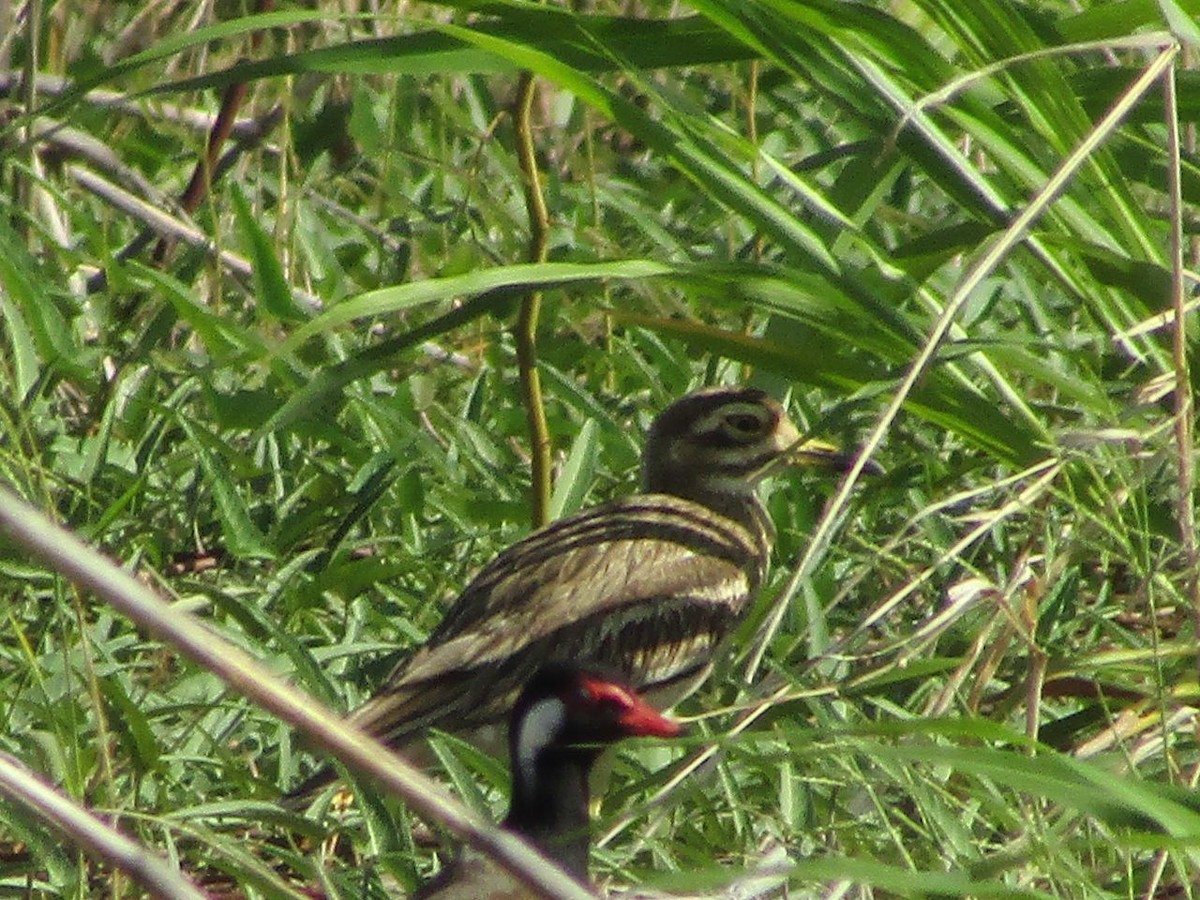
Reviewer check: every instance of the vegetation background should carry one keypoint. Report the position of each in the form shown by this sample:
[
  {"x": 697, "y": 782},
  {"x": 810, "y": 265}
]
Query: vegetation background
[{"x": 956, "y": 233}]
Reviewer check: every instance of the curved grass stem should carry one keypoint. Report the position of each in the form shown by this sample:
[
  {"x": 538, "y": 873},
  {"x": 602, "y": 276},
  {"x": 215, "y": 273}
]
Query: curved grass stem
[{"x": 527, "y": 318}]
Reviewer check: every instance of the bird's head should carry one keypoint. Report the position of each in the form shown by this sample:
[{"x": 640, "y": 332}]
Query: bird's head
[
  {"x": 723, "y": 440},
  {"x": 565, "y": 707}
]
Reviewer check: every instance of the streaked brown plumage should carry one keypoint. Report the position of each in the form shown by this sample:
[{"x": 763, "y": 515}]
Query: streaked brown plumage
[
  {"x": 560, "y": 723},
  {"x": 647, "y": 585}
]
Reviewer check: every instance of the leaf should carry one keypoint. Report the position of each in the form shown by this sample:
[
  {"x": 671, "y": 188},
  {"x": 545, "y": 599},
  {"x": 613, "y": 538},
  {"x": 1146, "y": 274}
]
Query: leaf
[
  {"x": 130, "y": 724},
  {"x": 588, "y": 43},
  {"x": 24, "y": 350},
  {"x": 577, "y": 473},
  {"x": 20, "y": 281},
  {"x": 227, "y": 341},
  {"x": 271, "y": 288},
  {"x": 907, "y": 882},
  {"x": 96, "y": 446},
  {"x": 1182, "y": 24},
  {"x": 939, "y": 400},
  {"x": 241, "y": 535},
  {"x": 709, "y": 166},
  {"x": 492, "y": 287},
  {"x": 498, "y": 282}
]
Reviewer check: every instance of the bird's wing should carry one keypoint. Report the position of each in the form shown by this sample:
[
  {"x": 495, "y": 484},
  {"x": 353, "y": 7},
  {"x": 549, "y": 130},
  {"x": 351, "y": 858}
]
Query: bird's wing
[
  {"x": 648, "y": 545},
  {"x": 646, "y": 586}
]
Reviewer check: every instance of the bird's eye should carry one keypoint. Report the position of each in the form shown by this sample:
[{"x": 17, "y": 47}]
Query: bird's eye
[{"x": 744, "y": 423}]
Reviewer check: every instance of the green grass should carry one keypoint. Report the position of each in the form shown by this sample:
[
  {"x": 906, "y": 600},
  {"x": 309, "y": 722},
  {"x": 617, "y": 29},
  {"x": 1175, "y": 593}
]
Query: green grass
[{"x": 990, "y": 649}]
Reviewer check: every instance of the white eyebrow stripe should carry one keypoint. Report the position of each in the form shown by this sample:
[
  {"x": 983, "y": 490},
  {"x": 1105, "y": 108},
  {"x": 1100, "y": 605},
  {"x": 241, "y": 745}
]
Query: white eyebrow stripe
[{"x": 714, "y": 420}]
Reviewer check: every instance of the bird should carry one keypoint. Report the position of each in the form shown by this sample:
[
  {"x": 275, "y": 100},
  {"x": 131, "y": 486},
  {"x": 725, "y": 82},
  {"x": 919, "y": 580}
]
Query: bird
[
  {"x": 561, "y": 722},
  {"x": 648, "y": 584}
]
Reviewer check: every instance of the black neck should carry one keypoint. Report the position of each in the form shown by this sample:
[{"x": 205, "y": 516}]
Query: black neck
[{"x": 551, "y": 809}]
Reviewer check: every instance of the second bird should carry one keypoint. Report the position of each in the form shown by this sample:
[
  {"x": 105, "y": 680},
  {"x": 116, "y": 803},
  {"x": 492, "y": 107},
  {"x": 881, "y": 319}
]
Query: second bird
[{"x": 647, "y": 585}]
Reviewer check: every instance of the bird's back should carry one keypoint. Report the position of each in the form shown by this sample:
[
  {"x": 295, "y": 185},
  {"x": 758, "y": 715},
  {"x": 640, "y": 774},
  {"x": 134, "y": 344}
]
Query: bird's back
[{"x": 647, "y": 586}]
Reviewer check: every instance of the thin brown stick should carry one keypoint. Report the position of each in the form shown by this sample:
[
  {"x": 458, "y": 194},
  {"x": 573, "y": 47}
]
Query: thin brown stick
[
  {"x": 24, "y": 186},
  {"x": 49, "y": 85},
  {"x": 752, "y": 135},
  {"x": 222, "y": 128},
  {"x": 202, "y": 174},
  {"x": 1188, "y": 61},
  {"x": 527, "y": 318},
  {"x": 170, "y": 227},
  {"x": 1186, "y": 513}
]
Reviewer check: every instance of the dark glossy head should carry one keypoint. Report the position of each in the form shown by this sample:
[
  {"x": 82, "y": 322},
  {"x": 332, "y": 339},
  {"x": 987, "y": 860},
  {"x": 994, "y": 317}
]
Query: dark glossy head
[{"x": 563, "y": 708}]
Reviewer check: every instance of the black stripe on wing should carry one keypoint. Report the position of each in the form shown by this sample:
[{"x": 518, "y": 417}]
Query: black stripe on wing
[
  {"x": 659, "y": 519},
  {"x": 654, "y": 644}
]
